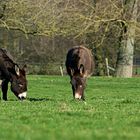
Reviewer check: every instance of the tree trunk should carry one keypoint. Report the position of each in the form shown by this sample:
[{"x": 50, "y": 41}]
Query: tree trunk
[{"x": 126, "y": 51}]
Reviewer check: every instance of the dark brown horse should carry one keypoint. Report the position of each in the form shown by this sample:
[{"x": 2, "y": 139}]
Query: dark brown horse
[
  {"x": 79, "y": 65},
  {"x": 10, "y": 72}
]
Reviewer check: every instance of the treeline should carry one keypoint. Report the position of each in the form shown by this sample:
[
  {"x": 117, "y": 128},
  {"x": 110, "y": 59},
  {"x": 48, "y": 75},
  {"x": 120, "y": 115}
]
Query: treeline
[
  {"x": 44, "y": 55},
  {"x": 40, "y": 32}
]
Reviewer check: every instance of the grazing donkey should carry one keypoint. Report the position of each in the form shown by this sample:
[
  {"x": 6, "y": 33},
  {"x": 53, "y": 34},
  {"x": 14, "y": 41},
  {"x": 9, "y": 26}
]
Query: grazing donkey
[
  {"x": 10, "y": 72},
  {"x": 79, "y": 65}
]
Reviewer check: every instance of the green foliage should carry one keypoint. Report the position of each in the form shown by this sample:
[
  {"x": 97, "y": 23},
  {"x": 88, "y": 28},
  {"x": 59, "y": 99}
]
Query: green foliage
[
  {"x": 98, "y": 25},
  {"x": 111, "y": 111}
]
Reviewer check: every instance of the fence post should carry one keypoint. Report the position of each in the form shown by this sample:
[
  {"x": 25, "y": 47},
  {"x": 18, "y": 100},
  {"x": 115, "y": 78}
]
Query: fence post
[
  {"x": 107, "y": 68},
  {"x": 61, "y": 71}
]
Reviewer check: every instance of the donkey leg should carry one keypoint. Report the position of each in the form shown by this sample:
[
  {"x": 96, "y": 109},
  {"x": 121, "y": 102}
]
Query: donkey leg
[
  {"x": 4, "y": 87},
  {"x": 83, "y": 98}
]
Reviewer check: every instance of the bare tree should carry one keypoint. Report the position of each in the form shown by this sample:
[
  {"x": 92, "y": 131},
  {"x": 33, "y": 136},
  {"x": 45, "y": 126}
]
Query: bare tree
[
  {"x": 89, "y": 21},
  {"x": 127, "y": 39}
]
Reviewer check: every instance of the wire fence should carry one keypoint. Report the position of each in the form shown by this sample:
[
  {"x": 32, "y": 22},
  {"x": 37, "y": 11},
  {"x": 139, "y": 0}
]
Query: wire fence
[
  {"x": 60, "y": 69},
  {"x": 136, "y": 70},
  {"x": 49, "y": 69},
  {"x": 136, "y": 66}
]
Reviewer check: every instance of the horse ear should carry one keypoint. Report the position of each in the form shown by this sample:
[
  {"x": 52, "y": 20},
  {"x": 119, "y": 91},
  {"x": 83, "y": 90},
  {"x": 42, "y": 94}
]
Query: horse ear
[
  {"x": 81, "y": 69},
  {"x": 17, "y": 70}
]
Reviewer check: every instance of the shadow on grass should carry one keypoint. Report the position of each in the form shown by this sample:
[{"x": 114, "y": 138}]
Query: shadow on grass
[
  {"x": 39, "y": 99},
  {"x": 136, "y": 123},
  {"x": 28, "y": 99},
  {"x": 42, "y": 100}
]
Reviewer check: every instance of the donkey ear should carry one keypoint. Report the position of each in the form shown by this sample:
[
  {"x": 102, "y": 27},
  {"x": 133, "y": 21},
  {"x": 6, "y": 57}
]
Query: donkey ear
[
  {"x": 24, "y": 68},
  {"x": 17, "y": 70},
  {"x": 81, "y": 69},
  {"x": 71, "y": 72}
]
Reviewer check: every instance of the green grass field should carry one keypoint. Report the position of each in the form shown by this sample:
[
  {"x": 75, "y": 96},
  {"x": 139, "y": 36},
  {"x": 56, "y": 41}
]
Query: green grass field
[{"x": 111, "y": 112}]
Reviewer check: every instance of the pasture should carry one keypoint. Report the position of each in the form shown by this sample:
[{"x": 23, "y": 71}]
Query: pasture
[{"x": 111, "y": 111}]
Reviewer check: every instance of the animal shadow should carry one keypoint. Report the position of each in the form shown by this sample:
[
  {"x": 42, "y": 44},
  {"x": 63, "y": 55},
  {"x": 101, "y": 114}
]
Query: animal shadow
[
  {"x": 136, "y": 123},
  {"x": 38, "y": 99}
]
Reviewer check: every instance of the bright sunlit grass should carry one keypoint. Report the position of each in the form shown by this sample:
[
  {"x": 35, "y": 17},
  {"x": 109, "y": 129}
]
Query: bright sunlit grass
[{"x": 111, "y": 112}]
